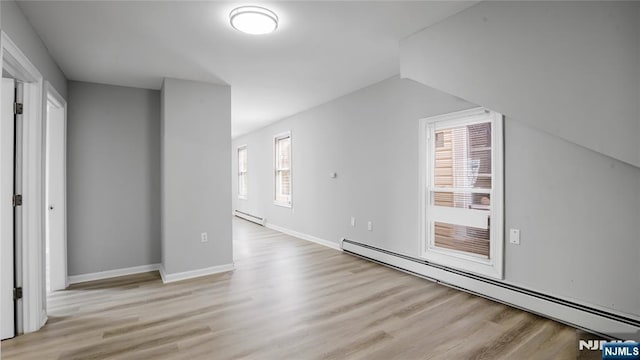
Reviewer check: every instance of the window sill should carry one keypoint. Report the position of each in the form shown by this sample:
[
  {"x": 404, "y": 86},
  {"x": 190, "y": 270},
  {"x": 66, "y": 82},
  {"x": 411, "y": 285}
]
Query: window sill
[
  {"x": 470, "y": 263},
  {"x": 241, "y": 197},
  {"x": 282, "y": 204}
]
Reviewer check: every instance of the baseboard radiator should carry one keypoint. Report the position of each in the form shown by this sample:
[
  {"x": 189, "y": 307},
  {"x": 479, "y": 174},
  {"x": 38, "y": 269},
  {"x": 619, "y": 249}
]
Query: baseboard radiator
[
  {"x": 607, "y": 324},
  {"x": 255, "y": 219}
]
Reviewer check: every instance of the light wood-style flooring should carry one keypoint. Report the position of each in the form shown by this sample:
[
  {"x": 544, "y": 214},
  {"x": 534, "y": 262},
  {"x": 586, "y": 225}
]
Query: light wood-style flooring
[{"x": 287, "y": 299}]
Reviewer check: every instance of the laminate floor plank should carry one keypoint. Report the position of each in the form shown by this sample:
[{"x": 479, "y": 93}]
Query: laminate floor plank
[{"x": 286, "y": 299}]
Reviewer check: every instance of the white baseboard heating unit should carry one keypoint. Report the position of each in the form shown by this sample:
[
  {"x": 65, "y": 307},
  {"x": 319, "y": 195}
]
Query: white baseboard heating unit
[
  {"x": 603, "y": 322},
  {"x": 255, "y": 219}
]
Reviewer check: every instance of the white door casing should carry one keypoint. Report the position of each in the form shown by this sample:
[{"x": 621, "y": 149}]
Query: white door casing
[
  {"x": 29, "y": 261},
  {"x": 55, "y": 189},
  {"x": 7, "y": 313}
]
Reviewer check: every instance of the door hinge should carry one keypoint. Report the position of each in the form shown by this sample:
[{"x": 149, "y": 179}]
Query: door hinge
[
  {"x": 17, "y": 200},
  {"x": 17, "y": 293},
  {"x": 17, "y": 108}
]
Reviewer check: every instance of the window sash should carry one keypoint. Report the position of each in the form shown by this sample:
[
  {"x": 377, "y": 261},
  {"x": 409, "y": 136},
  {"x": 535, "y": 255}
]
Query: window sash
[
  {"x": 457, "y": 160},
  {"x": 282, "y": 169},
  {"x": 243, "y": 184},
  {"x": 466, "y": 233}
]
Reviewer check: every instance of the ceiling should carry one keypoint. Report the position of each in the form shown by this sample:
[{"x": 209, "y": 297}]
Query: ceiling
[{"x": 321, "y": 50}]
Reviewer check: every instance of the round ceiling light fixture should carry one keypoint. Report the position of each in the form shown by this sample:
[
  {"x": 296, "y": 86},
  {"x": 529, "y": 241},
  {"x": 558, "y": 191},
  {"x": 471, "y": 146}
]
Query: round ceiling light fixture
[{"x": 253, "y": 20}]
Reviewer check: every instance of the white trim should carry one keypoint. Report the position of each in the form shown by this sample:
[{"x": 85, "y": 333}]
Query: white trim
[
  {"x": 471, "y": 116},
  {"x": 16, "y": 62},
  {"x": 7, "y": 308},
  {"x": 60, "y": 263},
  {"x": 33, "y": 251},
  {"x": 169, "y": 278},
  {"x": 107, "y": 274},
  {"x": 58, "y": 100},
  {"x": 43, "y": 319},
  {"x": 277, "y": 137},
  {"x": 550, "y": 309},
  {"x": 494, "y": 265},
  {"x": 282, "y": 204},
  {"x": 34, "y": 298},
  {"x": 246, "y": 171},
  {"x": 302, "y": 236}
]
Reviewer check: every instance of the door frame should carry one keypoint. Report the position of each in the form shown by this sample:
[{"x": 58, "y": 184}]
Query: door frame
[
  {"x": 16, "y": 63},
  {"x": 7, "y": 221},
  {"x": 60, "y": 262}
]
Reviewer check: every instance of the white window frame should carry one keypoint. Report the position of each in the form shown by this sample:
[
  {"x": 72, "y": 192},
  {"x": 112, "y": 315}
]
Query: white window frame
[
  {"x": 246, "y": 171},
  {"x": 492, "y": 267},
  {"x": 276, "y": 138}
]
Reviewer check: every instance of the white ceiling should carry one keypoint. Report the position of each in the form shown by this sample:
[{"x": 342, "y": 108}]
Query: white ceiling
[{"x": 321, "y": 50}]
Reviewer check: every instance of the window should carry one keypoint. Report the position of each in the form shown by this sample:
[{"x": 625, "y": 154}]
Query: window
[
  {"x": 282, "y": 166},
  {"x": 461, "y": 176},
  {"x": 243, "y": 184}
]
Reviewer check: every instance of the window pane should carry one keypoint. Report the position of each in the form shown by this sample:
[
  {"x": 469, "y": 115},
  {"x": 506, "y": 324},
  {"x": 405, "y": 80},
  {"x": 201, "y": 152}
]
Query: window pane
[
  {"x": 283, "y": 169},
  {"x": 242, "y": 171},
  {"x": 283, "y": 185},
  {"x": 283, "y": 152},
  {"x": 477, "y": 201},
  {"x": 462, "y": 238},
  {"x": 284, "y": 180},
  {"x": 463, "y": 157},
  {"x": 242, "y": 160},
  {"x": 242, "y": 184}
]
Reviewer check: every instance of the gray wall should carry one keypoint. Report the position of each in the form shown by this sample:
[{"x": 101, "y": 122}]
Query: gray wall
[
  {"x": 113, "y": 174},
  {"x": 370, "y": 139},
  {"x": 568, "y": 68},
  {"x": 196, "y": 198},
  {"x": 579, "y": 216},
  {"x": 24, "y": 36},
  {"x": 579, "y": 211}
]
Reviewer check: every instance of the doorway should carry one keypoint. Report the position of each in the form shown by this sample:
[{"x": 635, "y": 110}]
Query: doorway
[
  {"x": 22, "y": 206},
  {"x": 55, "y": 192}
]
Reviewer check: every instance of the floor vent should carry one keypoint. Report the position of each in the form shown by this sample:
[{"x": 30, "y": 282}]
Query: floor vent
[{"x": 255, "y": 219}]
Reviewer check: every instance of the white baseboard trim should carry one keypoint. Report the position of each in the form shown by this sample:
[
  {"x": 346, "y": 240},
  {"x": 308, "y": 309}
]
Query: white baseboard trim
[
  {"x": 169, "y": 278},
  {"x": 74, "y": 279},
  {"x": 583, "y": 318},
  {"x": 303, "y": 236}
]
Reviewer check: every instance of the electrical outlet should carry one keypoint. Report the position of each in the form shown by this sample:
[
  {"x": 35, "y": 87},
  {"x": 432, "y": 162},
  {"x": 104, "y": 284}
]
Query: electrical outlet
[
  {"x": 353, "y": 221},
  {"x": 203, "y": 237},
  {"x": 514, "y": 236},
  {"x": 370, "y": 226}
]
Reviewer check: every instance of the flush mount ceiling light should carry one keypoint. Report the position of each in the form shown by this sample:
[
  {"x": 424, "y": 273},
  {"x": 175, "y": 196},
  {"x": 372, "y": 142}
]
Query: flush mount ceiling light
[{"x": 253, "y": 20}]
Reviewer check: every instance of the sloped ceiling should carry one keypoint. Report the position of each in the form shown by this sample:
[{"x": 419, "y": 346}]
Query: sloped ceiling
[
  {"x": 571, "y": 69},
  {"x": 322, "y": 49}
]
